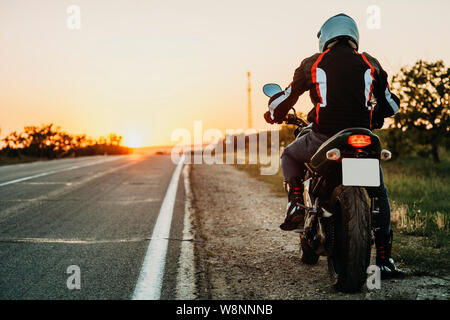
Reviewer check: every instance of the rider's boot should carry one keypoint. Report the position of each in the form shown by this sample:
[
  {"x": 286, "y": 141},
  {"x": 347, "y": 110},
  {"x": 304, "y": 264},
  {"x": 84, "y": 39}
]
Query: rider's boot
[
  {"x": 295, "y": 215},
  {"x": 384, "y": 261}
]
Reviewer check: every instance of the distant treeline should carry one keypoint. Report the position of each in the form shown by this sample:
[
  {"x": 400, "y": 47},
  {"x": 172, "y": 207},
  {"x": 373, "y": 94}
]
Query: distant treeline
[{"x": 48, "y": 141}]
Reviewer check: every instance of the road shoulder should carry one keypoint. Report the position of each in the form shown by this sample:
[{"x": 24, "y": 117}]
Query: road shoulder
[{"x": 246, "y": 256}]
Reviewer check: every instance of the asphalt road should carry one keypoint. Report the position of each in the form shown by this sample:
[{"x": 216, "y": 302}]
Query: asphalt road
[{"x": 96, "y": 213}]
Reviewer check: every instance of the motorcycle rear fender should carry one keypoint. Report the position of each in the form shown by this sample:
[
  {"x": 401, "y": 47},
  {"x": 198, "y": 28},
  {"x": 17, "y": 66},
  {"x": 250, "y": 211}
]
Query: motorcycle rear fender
[{"x": 319, "y": 161}]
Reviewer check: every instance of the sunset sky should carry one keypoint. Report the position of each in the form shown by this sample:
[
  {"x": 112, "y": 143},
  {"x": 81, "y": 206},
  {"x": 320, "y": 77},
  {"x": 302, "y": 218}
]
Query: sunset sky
[{"x": 144, "y": 68}]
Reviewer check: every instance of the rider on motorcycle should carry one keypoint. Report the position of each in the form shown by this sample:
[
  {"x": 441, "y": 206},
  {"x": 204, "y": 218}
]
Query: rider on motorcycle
[{"x": 343, "y": 84}]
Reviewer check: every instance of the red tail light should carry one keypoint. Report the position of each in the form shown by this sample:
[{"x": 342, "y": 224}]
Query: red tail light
[{"x": 359, "y": 140}]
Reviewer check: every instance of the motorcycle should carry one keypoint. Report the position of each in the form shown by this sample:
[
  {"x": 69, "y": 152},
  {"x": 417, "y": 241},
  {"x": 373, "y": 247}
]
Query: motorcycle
[{"x": 338, "y": 210}]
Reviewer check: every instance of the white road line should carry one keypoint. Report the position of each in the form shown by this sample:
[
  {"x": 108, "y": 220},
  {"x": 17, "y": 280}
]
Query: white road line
[
  {"x": 186, "y": 288},
  {"x": 149, "y": 284},
  {"x": 54, "y": 171}
]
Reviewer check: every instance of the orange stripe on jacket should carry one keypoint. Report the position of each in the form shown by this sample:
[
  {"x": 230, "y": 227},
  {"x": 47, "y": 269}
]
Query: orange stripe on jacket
[
  {"x": 314, "y": 80},
  {"x": 372, "y": 70}
]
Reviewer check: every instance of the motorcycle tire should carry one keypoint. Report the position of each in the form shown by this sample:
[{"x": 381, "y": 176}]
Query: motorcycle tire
[{"x": 350, "y": 255}]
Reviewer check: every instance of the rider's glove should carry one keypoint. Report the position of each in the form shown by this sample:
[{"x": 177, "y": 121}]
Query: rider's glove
[{"x": 268, "y": 117}]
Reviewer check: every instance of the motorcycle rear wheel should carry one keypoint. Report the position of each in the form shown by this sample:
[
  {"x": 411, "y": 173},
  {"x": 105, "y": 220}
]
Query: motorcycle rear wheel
[{"x": 350, "y": 255}]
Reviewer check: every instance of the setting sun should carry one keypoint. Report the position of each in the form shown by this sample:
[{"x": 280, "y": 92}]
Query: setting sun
[{"x": 133, "y": 140}]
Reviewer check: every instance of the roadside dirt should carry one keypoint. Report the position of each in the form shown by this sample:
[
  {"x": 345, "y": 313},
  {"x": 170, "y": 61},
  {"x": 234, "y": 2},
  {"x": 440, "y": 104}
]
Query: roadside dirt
[{"x": 244, "y": 254}]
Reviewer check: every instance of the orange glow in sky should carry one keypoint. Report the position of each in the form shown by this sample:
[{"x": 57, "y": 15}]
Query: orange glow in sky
[{"x": 142, "y": 69}]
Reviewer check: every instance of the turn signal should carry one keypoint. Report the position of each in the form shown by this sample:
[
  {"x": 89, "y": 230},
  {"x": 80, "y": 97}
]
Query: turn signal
[
  {"x": 385, "y": 155},
  {"x": 333, "y": 154},
  {"x": 359, "y": 140}
]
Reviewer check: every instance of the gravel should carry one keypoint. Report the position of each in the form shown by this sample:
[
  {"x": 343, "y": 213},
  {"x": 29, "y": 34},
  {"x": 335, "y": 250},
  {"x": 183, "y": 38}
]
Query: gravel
[{"x": 244, "y": 255}]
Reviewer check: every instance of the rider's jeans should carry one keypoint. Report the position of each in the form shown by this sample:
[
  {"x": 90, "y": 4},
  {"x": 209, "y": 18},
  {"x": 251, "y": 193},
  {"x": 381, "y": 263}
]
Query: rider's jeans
[{"x": 301, "y": 150}]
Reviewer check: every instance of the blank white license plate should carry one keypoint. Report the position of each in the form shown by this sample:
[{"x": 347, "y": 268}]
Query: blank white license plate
[{"x": 361, "y": 172}]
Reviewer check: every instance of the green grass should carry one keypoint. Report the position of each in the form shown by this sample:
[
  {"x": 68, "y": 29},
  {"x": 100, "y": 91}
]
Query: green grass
[
  {"x": 420, "y": 254},
  {"x": 420, "y": 184},
  {"x": 419, "y": 192}
]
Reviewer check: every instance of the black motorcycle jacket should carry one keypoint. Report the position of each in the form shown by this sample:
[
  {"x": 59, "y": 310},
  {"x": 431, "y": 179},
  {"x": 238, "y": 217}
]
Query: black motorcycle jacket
[{"x": 342, "y": 84}]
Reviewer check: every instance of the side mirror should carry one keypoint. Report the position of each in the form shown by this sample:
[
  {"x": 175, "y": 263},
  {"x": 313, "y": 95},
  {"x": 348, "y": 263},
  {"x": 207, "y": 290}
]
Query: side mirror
[{"x": 271, "y": 89}]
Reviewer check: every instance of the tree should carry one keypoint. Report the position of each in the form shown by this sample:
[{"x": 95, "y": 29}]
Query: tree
[
  {"x": 48, "y": 141},
  {"x": 424, "y": 112}
]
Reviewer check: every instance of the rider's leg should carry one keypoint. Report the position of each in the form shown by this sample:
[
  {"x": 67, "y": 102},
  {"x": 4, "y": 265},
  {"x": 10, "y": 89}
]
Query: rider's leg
[
  {"x": 293, "y": 171},
  {"x": 298, "y": 152},
  {"x": 383, "y": 232},
  {"x": 292, "y": 163}
]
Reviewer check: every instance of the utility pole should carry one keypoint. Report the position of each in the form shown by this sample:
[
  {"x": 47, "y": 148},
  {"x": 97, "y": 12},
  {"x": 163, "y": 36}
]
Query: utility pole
[{"x": 249, "y": 90}]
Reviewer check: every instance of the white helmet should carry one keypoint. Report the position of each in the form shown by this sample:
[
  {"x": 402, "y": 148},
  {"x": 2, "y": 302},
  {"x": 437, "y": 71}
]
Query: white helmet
[{"x": 338, "y": 26}]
